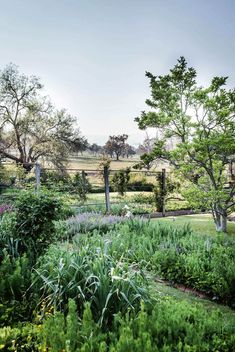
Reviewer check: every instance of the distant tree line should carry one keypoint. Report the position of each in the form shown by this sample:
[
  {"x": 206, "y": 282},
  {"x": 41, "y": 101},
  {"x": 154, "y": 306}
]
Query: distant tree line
[{"x": 115, "y": 147}]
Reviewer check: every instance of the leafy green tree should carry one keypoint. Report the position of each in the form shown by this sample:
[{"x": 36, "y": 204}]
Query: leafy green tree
[
  {"x": 30, "y": 127},
  {"x": 82, "y": 185},
  {"x": 120, "y": 181},
  {"x": 116, "y": 145},
  {"x": 201, "y": 121},
  {"x": 95, "y": 149}
]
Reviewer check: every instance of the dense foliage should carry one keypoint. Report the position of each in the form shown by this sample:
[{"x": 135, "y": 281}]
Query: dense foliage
[
  {"x": 95, "y": 291},
  {"x": 169, "y": 326},
  {"x": 88, "y": 272},
  {"x": 120, "y": 181},
  {"x": 35, "y": 221},
  {"x": 199, "y": 123},
  {"x": 201, "y": 262},
  {"x": 77, "y": 184},
  {"x": 116, "y": 146}
]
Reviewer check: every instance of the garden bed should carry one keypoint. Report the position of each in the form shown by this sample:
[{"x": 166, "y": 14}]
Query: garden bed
[{"x": 88, "y": 282}]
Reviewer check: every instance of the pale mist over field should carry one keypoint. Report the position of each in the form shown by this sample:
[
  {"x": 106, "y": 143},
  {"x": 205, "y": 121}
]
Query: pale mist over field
[{"x": 92, "y": 55}]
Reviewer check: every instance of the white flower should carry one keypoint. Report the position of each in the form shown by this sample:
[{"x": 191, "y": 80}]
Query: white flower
[{"x": 128, "y": 214}]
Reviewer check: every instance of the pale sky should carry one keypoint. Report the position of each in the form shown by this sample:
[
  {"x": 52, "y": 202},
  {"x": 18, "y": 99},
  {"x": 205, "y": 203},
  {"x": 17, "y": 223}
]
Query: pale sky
[{"x": 91, "y": 55}]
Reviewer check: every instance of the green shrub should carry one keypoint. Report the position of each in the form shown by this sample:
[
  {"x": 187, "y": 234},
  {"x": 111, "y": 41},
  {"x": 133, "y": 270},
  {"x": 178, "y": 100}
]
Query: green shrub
[
  {"x": 168, "y": 326},
  {"x": 143, "y": 198},
  {"x": 32, "y": 226},
  {"x": 22, "y": 338},
  {"x": 138, "y": 182},
  {"x": 35, "y": 220},
  {"x": 120, "y": 181},
  {"x": 174, "y": 204},
  {"x": 15, "y": 281},
  {"x": 173, "y": 326},
  {"x": 82, "y": 185},
  {"x": 56, "y": 181},
  {"x": 140, "y": 187},
  {"x": 72, "y": 334},
  {"x": 24, "y": 235},
  {"x": 177, "y": 254},
  {"x": 152, "y": 199}
]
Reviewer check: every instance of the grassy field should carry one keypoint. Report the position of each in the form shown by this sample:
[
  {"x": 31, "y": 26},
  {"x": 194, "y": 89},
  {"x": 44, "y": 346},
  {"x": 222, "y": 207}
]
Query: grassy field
[
  {"x": 202, "y": 223},
  {"x": 88, "y": 162}
]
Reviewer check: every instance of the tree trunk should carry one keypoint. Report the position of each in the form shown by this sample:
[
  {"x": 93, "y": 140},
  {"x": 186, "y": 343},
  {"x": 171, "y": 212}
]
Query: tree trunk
[
  {"x": 221, "y": 225},
  {"x": 220, "y": 219},
  {"x": 224, "y": 223}
]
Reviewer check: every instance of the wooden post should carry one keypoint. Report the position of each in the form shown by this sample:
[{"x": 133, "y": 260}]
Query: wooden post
[
  {"x": 37, "y": 176},
  {"x": 106, "y": 184},
  {"x": 163, "y": 192},
  {"x": 84, "y": 184}
]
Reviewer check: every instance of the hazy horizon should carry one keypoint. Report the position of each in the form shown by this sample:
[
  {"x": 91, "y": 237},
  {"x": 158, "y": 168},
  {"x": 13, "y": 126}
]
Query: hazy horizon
[{"x": 92, "y": 56}]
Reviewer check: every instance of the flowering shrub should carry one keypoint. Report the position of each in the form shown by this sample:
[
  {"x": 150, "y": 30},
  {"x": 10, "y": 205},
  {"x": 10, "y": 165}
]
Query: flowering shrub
[
  {"x": 5, "y": 208},
  {"x": 127, "y": 212},
  {"x": 86, "y": 222}
]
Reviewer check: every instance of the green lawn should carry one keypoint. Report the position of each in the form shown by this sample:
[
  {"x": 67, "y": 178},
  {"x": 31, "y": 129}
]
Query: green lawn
[{"x": 202, "y": 223}]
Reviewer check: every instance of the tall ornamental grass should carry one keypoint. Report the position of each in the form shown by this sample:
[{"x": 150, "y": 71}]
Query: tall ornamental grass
[{"x": 88, "y": 273}]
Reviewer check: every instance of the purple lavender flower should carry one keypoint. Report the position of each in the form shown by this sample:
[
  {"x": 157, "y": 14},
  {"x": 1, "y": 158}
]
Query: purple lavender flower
[
  {"x": 86, "y": 222},
  {"x": 5, "y": 208}
]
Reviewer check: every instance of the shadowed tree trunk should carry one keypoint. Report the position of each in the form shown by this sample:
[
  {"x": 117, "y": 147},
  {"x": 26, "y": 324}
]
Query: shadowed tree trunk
[{"x": 220, "y": 218}]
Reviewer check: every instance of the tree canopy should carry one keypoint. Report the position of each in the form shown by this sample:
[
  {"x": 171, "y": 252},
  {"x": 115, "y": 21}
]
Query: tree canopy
[
  {"x": 30, "y": 126},
  {"x": 116, "y": 145},
  {"x": 202, "y": 122}
]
